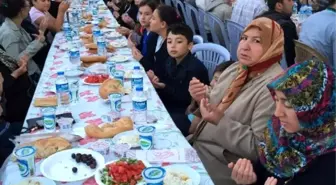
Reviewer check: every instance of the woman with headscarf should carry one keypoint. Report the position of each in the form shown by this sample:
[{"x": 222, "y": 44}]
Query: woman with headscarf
[
  {"x": 299, "y": 142},
  {"x": 239, "y": 105}
]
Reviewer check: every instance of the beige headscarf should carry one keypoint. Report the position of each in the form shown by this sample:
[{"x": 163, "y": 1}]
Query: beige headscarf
[{"x": 272, "y": 40}]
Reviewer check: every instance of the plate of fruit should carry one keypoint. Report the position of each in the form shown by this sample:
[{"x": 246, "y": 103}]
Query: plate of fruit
[
  {"x": 122, "y": 171},
  {"x": 95, "y": 79},
  {"x": 72, "y": 165}
]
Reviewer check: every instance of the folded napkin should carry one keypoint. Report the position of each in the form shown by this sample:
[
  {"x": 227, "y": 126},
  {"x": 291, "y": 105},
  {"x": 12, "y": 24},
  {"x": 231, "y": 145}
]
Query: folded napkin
[{"x": 185, "y": 155}]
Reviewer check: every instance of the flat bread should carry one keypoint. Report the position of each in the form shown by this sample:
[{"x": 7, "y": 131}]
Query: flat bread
[
  {"x": 110, "y": 86},
  {"x": 48, "y": 146}
]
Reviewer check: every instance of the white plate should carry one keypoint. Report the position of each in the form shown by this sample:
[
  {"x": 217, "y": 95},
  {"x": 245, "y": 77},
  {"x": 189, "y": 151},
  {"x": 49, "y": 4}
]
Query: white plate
[
  {"x": 113, "y": 35},
  {"x": 58, "y": 167},
  {"x": 119, "y": 58},
  {"x": 97, "y": 175},
  {"x": 85, "y": 83},
  {"x": 191, "y": 173},
  {"x": 73, "y": 73},
  {"x": 113, "y": 25},
  {"x": 41, "y": 180},
  {"x": 117, "y": 137},
  {"x": 65, "y": 47},
  {"x": 119, "y": 44}
]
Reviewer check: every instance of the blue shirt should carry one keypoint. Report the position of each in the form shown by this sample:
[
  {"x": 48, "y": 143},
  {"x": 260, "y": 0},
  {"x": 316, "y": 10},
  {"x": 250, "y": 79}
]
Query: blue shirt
[{"x": 319, "y": 32}]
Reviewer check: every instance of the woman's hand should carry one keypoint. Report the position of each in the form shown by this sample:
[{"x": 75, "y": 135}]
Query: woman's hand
[
  {"x": 136, "y": 54},
  {"x": 242, "y": 172},
  {"x": 127, "y": 19},
  {"x": 22, "y": 67},
  {"x": 197, "y": 90},
  {"x": 123, "y": 31},
  {"x": 40, "y": 37},
  {"x": 116, "y": 14},
  {"x": 210, "y": 112},
  {"x": 63, "y": 7},
  {"x": 271, "y": 181},
  {"x": 150, "y": 75}
]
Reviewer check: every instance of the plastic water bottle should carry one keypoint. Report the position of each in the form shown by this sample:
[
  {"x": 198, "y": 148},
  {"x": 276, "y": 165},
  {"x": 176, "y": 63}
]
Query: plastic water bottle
[
  {"x": 137, "y": 78},
  {"x": 309, "y": 11},
  {"x": 94, "y": 10},
  {"x": 74, "y": 56},
  {"x": 95, "y": 33},
  {"x": 295, "y": 8},
  {"x": 75, "y": 16},
  {"x": 139, "y": 102},
  {"x": 91, "y": 3},
  {"x": 62, "y": 89},
  {"x": 302, "y": 14},
  {"x": 67, "y": 31},
  {"x": 101, "y": 45}
]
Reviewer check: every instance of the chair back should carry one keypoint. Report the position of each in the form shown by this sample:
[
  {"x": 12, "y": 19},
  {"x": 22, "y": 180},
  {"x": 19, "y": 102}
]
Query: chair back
[
  {"x": 197, "y": 39},
  {"x": 179, "y": 5},
  {"x": 218, "y": 30},
  {"x": 202, "y": 16},
  {"x": 191, "y": 16},
  {"x": 211, "y": 55},
  {"x": 234, "y": 32},
  {"x": 168, "y": 2},
  {"x": 304, "y": 52}
]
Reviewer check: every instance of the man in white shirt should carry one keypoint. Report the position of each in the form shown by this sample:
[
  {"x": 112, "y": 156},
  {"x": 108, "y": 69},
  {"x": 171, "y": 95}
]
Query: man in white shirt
[{"x": 244, "y": 11}]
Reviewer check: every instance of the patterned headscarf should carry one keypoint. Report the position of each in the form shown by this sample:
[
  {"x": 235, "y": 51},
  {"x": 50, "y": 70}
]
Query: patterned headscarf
[{"x": 310, "y": 89}]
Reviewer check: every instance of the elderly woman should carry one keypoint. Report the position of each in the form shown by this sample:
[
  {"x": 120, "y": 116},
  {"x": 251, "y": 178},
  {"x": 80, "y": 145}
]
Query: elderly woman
[
  {"x": 239, "y": 105},
  {"x": 15, "y": 40},
  {"x": 299, "y": 142}
]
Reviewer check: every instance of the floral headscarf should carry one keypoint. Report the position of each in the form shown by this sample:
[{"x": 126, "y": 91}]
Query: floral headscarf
[{"x": 310, "y": 89}]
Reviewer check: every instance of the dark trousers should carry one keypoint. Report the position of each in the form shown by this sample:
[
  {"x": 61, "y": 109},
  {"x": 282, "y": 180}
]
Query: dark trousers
[
  {"x": 181, "y": 121},
  {"x": 8, "y": 131}
]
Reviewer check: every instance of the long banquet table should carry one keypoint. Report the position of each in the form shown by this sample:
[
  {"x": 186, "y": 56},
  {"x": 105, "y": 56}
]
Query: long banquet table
[{"x": 92, "y": 110}]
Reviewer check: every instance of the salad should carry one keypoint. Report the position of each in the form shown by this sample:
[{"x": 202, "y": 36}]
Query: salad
[
  {"x": 96, "y": 78},
  {"x": 122, "y": 172}
]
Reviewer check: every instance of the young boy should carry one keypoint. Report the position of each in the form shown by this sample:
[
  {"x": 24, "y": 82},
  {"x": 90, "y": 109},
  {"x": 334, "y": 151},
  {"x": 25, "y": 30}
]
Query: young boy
[{"x": 180, "y": 68}]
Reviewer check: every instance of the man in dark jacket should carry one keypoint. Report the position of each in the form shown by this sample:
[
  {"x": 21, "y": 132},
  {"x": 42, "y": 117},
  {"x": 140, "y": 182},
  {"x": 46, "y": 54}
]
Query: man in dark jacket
[{"x": 281, "y": 11}]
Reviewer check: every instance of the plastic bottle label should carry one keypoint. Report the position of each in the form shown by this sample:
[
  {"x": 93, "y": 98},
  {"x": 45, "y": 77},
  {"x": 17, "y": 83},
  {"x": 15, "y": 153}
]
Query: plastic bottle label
[
  {"x": 140, "y": 106},
  {"x": 137, "y": 82}
]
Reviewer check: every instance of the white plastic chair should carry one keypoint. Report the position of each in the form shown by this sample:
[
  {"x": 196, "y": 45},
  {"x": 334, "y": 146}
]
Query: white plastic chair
[
  {"x": 234, "y": 32},
  {"x": 197, "y": 39},
  {"x": 211, "y": 55}
]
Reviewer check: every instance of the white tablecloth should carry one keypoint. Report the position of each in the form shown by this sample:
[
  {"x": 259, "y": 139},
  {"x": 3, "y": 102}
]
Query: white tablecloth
[{"x": 92, "y": 110}]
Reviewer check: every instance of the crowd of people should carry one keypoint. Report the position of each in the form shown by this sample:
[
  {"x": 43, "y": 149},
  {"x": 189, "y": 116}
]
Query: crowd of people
[{"x": 252, "y": 123}]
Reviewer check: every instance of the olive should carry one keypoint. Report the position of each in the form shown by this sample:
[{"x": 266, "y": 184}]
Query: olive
[
  {"x": 93, "y": 166},
  {"x": 74, "y": 169},
  {"x": 73, "y": 156}
]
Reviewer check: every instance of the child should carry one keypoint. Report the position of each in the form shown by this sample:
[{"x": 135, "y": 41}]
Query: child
[
  {"x": 180, "y": 67},
  {"x": 146, "y": 9},
  {"x": 218, "y": 71},
  {"x": 156, "y": 53}
]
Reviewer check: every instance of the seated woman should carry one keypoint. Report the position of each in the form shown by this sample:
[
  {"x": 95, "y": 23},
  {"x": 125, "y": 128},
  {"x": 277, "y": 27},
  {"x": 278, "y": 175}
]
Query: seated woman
[
  {"x": 15, "y": 40},
  {"x": 239, "y": 105},
  {"x": 17, "y": 87},
  {"x": 218, "y": 71},
  {"x": 157, "y": 53},
  {"x": 40, "y": 9},
  {"x": 299, "y": 142}
]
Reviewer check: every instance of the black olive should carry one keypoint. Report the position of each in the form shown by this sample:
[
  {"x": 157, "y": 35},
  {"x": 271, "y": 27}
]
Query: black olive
[
  {"x": 78, "y": 160},
  {"x": 73, "y": 156},
  {"x": 74, "y": 169},
  {"x": 93, "y": 166}
]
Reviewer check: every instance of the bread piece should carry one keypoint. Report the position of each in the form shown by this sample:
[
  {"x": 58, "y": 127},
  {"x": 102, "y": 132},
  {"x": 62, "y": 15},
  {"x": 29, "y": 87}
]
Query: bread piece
[
  {"x": 45, "y": 102},
  {"x": 93, "y": 59},
  {"x": 48, "y": 146},
  {"x": 109, "y": 130},
  {"x": 87, "y": 29},
  {"x": 110, "y": 86}
]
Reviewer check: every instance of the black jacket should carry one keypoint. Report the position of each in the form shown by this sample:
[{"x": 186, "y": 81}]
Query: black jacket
[
  {"x": 18, "y": 94},
  {"x": 321, "y": 171},
  {"x": 132, "y": 10},
  {"x": 175, "y": 95},
  {"x": 155, "y": 60},
  {"x": 290, "y": 33}
]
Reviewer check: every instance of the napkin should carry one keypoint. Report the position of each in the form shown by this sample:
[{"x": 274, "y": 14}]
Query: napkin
[{"x": 185, "y": 155}]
